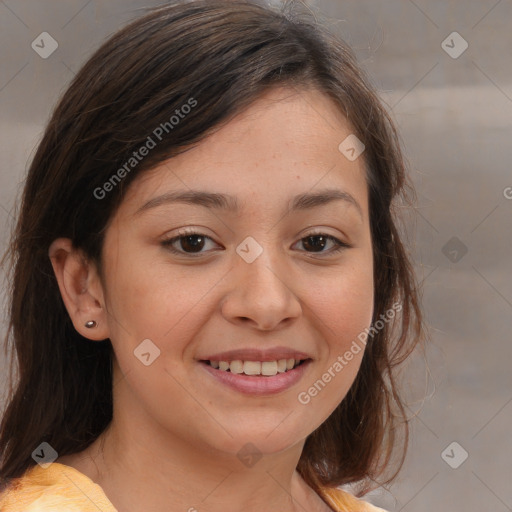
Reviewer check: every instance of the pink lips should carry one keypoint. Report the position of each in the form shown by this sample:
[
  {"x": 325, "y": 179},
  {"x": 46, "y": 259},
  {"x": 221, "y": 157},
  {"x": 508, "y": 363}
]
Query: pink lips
[{"x": 258, "y": 385}]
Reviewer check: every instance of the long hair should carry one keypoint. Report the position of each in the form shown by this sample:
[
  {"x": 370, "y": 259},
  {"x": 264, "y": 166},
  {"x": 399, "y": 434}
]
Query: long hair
[{"x": 219, "y": 56}]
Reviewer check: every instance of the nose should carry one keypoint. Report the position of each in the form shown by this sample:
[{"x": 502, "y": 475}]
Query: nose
[{"x": 261, "y": 294}]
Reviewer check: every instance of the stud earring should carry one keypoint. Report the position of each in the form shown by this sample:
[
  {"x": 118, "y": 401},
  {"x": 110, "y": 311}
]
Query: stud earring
[{"x": 90, "y": 324}]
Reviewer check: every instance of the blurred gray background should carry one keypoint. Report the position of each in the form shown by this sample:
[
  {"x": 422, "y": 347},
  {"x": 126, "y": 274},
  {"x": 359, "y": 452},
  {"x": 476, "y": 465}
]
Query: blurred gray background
[{"x": 453, "y": 106}]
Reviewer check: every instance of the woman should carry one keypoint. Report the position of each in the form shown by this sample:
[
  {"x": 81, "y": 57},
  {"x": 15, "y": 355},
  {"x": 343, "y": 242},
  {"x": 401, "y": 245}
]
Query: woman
[{"x": 186, "y": 340}]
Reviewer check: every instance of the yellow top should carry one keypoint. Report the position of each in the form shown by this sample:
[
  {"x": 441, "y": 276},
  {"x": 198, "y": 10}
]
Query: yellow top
[{"x": 62, "y": 488}]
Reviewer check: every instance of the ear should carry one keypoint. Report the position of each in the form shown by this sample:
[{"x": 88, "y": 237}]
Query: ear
[{"x": 80, "y": 288}]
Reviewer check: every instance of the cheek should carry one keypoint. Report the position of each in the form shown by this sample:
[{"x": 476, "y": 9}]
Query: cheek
[
  {"x": 344, "y": 311},
  {"x": 345, "y": 303},
  {"x": 344, "y": 307},
  {"x": 156, "y": 300},
  {"x": 352, "y": 312}
]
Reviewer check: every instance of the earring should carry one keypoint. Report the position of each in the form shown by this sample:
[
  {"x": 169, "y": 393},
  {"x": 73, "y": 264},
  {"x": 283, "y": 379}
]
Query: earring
[{"x": 90, "y": 324}]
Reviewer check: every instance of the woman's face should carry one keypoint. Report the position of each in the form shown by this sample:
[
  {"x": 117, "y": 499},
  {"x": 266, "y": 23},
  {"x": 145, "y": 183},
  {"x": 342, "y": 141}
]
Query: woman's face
[{"x": 265, "y": 279}]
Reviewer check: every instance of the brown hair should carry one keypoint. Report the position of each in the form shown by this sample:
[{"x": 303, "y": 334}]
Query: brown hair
[{"x": 224, "y": 54}]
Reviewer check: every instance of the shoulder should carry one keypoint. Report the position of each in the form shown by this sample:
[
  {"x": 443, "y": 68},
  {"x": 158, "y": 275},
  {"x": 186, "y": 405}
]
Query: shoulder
[
  {"x": 55, "y": 488},
  {"x": 343, "y": 501}
]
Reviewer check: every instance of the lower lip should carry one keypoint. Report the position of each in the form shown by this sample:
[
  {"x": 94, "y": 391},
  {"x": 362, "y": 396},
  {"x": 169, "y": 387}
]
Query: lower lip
[{"x": 259, "y": 385}]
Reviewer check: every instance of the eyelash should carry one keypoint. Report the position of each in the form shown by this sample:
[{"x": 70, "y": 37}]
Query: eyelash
[{"x": 168, "y": 243}]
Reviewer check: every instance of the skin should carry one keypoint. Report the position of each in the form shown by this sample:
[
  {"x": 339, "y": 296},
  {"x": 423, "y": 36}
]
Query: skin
[{"x": 176, "y": 432}]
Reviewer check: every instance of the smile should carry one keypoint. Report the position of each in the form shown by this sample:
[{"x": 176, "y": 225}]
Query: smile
[{"x": 257, "y": 377}]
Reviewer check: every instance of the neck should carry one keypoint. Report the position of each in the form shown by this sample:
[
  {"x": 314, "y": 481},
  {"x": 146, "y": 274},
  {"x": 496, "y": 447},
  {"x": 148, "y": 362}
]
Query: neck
[
  {"x": 157, "y": 471},
  {"x": 135, "y": 475}
]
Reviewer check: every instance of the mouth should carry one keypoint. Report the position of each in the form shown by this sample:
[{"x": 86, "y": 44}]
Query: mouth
[
  {"x": 256, "y": 368},
  {"x": 256, "y": 378}
]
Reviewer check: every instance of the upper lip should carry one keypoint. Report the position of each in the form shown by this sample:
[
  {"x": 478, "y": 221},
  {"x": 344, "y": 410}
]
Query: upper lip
[{"x": 257, "y": 354}]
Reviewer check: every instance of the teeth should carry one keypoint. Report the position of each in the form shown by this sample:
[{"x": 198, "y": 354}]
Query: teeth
[
  {"x": 236, "y": 366},
  {"x": 267, "y": 368},
  {"x": 252, "y": 368}
]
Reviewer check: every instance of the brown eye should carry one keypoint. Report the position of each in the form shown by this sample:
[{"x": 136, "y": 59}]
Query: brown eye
[
  {"x": 189, "y": 243},
  {"x": 192, "y": 243},
  {"x": 317, "y": 243}
]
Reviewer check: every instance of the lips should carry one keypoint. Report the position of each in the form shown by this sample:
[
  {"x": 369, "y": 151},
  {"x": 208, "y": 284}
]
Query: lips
[
  {"x": 256, "y": 371},
  {"x": 257, "y": 385}
]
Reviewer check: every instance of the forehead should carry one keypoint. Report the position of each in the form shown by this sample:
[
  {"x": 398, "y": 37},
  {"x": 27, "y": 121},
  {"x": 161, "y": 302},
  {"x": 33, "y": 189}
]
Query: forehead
[{"x": 286, "y": 143}]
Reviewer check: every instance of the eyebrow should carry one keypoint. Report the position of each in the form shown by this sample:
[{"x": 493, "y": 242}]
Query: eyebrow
[{"x": 218, "y": 201}]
